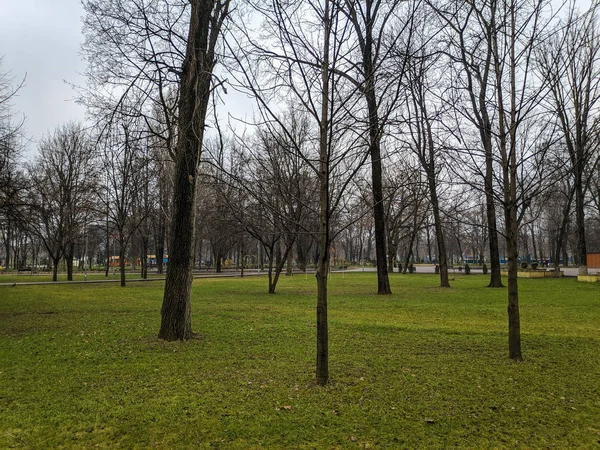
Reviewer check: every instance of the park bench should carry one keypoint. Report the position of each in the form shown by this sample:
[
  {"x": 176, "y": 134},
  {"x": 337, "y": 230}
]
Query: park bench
[{"x": 25, "y": 269}]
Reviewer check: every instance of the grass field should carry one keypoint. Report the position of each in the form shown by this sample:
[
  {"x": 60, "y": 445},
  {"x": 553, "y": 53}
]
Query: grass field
[{"x": 80, "y": 366}]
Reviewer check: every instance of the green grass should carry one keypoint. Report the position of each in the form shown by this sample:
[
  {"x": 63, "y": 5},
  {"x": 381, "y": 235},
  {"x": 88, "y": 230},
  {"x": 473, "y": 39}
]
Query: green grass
[{"x": 80, "y": 366}]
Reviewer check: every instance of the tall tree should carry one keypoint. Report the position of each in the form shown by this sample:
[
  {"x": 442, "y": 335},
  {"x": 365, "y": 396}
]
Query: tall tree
[
  {"x": 474, "y": 57},
  {"x": 570, "y": 61},
  {"x": 493, "y": 43},
  {"x": 123, "y": 160},
  {"x": 379, "y": 29},
  {"x": 422, "y": 113},
  {"x": 63, "y": 180},
  {"x": 303, "y": 59},
  {"x": 196, "y": 80}
]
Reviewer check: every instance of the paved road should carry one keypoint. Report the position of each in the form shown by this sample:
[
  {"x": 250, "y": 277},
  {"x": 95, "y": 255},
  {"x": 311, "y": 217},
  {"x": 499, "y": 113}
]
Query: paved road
[
  {"x": 430, "y": 268},
  {"x": 131, "y": 280},
  {"x": 421, "y": 268}
]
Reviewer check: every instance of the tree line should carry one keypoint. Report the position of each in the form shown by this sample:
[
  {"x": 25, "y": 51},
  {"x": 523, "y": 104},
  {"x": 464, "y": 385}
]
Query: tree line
[{"x": 385, "y": 133}]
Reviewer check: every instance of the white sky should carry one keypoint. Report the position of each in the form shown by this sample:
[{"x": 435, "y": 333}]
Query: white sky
[{"x": 41, "y": 39}]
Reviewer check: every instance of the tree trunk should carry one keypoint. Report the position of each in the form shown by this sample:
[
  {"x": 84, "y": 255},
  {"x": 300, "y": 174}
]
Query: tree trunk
[
  {"x": 107, "y": 249},
  {"x": 160, "y": 244},
  {"x": 218, "y": 263},
  {"x": 271, "y": 254},
  {"x": 514, "y": 322},
  {"x": 122, "y": 262},
  {"x": 144, "y": 258},
  {"x": 534, "y": 244},
  {"x": 279, "y": 267},
  {"x": 55, "y": 262},
  {"x": 69, "y": 260},
  {"x": 561, "y": 235},
  {"x": 509, "y": 161},
  {"x": 322, "y": 372},
  {"x": 439, "y": 234},
  {"x": 303, "y": 248},
  {"x": 391, "y": 257},
  {"x": 383, "y": 282},
  {"x": 196, "y": 74},
  {"x": 290, "y": 263},
  {"x": 580, "y": 223}
]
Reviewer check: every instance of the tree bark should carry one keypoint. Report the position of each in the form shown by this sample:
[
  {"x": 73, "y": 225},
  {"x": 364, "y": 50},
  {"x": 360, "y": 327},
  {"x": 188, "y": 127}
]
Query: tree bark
[
  {"x": 322, "y": 372},
  {"x": 580, "y": 222},
  {"x": 439, "y": 234},
  {"x": 55, "y": 262},
  {"x": 144, "y": 257},
  {"x": 206, "y": 17},
  {"x": 368, "y": 65},
  {"x": 69, "y": 260},
  {"x": 122, "y": 262}
]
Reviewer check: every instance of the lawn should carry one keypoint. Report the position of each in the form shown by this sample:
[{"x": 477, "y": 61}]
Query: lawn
[{"x": 81, "y": 367}]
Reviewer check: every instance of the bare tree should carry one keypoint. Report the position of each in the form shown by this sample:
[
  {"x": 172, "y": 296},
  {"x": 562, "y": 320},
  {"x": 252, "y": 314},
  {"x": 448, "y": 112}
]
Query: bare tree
[
  {"x": 303, "y": 63},
  {"x": 423, "y": 113},
  {"x": 492, "y": 42},
  {"x": 63, "y": 180},
  {"x": 196, "y": 82},
  {"x": 12, "y": 179},
  {"x": 279, "y": 188},
  {"x": 123, "y": 162},
  {"x": 570, "y": 61},
  {"x": 372, "y": 21},
  {"x": 474, "y": 56}
]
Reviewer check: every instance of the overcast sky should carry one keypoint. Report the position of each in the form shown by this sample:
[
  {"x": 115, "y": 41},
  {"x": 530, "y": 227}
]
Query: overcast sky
[{"x": 41, "y": 39}]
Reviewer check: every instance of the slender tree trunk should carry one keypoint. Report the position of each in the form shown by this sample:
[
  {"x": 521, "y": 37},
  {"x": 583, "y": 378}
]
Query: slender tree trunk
[
  {"x": 439, "y": 234},
  {"x": 290, "y": 264},
  {"x": 55, "y": 262},
  {"x": 392, "y": 249},
  {"x": 495, "y": 276},
  {"x": 322, "y": 372},
  {"x": 509, "y": 159},
  {"x": 144, "y": 257},
  {"x": 122, "y": 261},
  {"x": 580, "y": 223},
  {"x": 270, "y": 268},
  {"x": 107, "y": 248},
  {"x": 69, "y": 260},
  {"x": 303, "y": 248},
  {"x": 218, "y": 264},
  {"x": 514, "y": 322},
  {"x": 160, "y": 244},
  {"x": 561, "y": 235},
  {"x": 383, "y": 282},
  {"x": 435, "y": 204},
  {"x": 279, "y": 268},
  {"x": 534, "y": 244}
]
